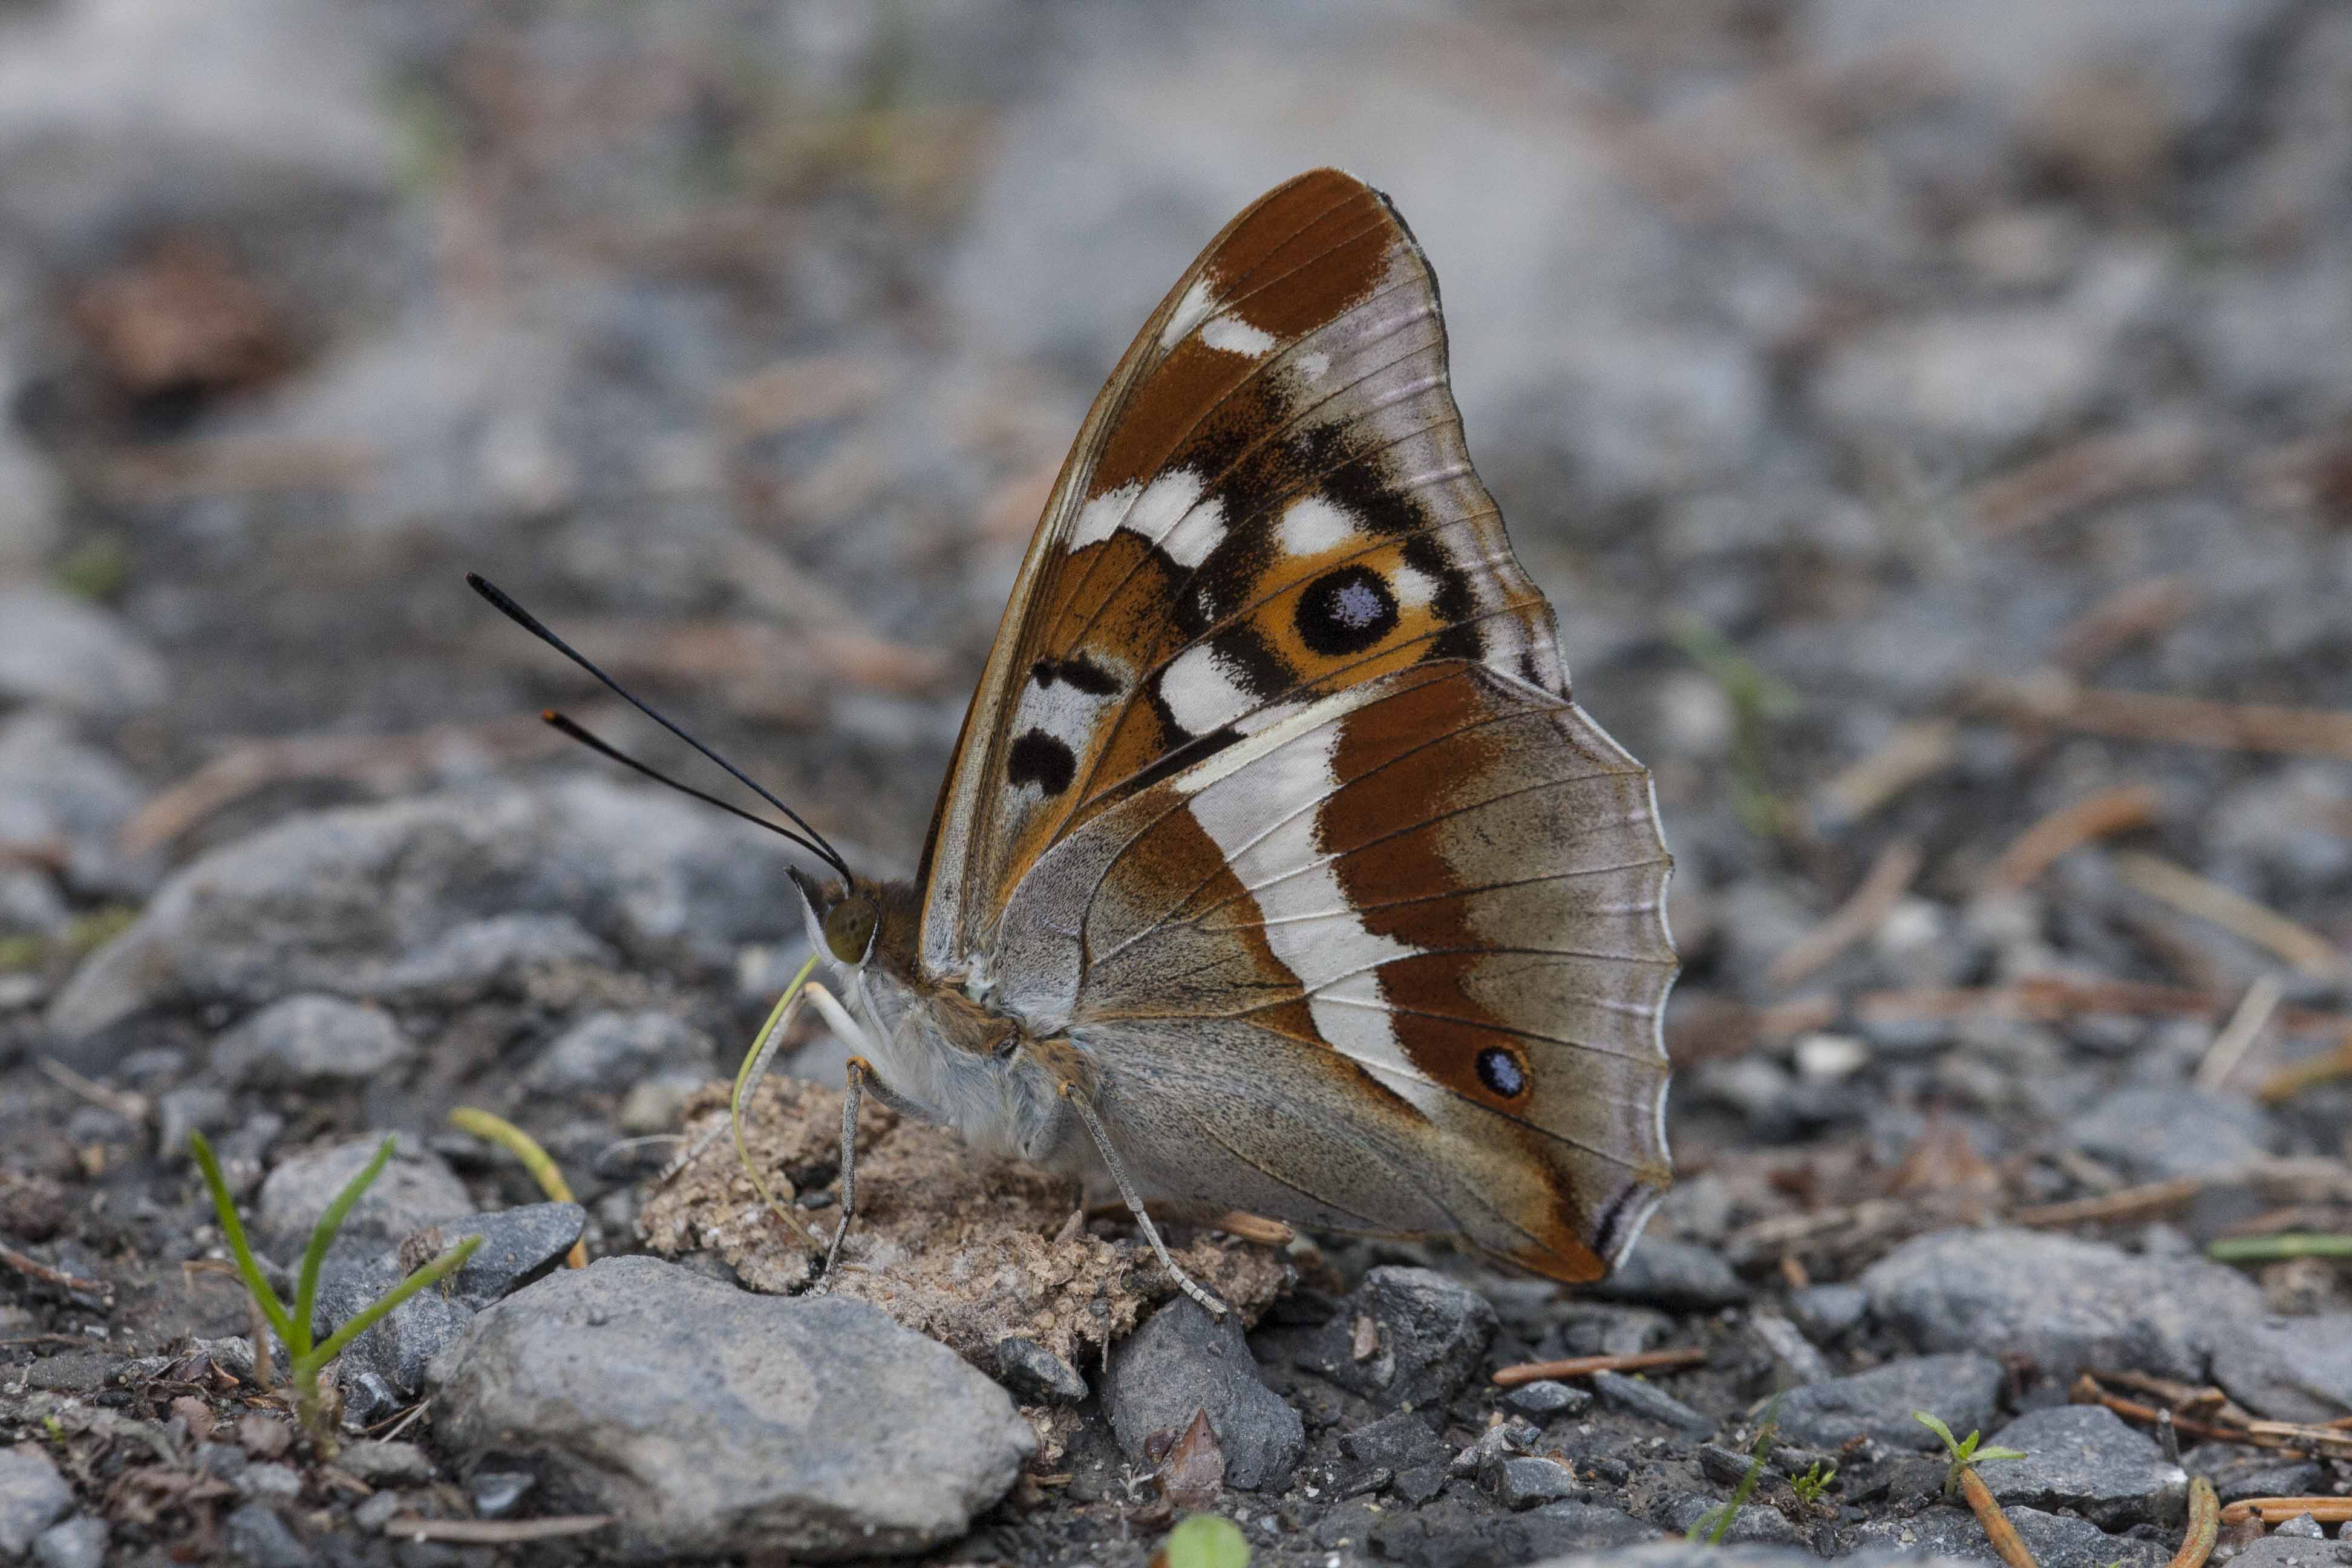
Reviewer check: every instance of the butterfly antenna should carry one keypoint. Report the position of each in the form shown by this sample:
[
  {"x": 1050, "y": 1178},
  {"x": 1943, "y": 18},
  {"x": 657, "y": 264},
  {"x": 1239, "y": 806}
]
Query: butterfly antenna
[
  {"x": 815, "y": 842},
  {"x": 564, "y": 725}
]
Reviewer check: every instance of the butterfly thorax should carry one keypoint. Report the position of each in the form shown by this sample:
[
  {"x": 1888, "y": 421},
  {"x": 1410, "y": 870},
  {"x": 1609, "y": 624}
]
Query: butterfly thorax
[{"x": 946, "y": 1056}]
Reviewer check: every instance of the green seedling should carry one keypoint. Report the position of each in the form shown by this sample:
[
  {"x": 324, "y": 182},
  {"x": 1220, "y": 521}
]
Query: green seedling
[
  {"x": 1202, "y": 1540},
  {"x": 1966, "y": 1454},
  {"x": 1716, "y": 1523},
  {"x": 308, "y": 1356},
  {"x": 1816, "y": 1480}
]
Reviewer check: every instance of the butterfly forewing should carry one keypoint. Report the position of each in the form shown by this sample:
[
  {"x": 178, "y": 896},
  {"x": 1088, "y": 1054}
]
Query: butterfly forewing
[{"x": 1271, "y": 500}]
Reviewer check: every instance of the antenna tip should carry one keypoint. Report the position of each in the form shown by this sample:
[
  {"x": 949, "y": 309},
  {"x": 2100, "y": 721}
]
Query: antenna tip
[{"x": 550, "y": 716}]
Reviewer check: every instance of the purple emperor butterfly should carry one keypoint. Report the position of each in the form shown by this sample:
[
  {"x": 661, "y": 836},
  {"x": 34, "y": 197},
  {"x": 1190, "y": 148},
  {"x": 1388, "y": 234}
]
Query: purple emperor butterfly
[{"x": 1276, "y": 870}]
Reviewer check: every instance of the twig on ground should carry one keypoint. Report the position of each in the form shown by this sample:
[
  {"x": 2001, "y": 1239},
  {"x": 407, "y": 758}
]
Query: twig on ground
[
  {"x": 132, "y": 1108},
  {"x": 1585, "y": 1366},
  {"x": 2052, "y": 699},
  {"x": 2279, "y": 1510},
  {"x": 2204, "y": 1525},
  {"x": 2310, "y": 954},
  {"x": 2132, "y": 612},
  {"x": 2034, "y": 851},
  {"x": 383, "y": 763},
  {"x": 1998, "y": 1529},
  {"x": 2053, "y": 999},
  {"x": 2087, "y": 473},
  {"x": 2238, "y": 1036},
  {"x": 1864, "y": 911},
  {"x": 2296, "y": 1077},
  {"x": 2129, "y": 1204},
  {"x": 2223, "y": 1426},
  {"x": 1913, "y": 752},
  {"x": 35, "y": 1268},
  {"x": 543, "y": 1170},
  {"x": 2271, "y": 1248},
  {"x": 494, "y": 1532}
]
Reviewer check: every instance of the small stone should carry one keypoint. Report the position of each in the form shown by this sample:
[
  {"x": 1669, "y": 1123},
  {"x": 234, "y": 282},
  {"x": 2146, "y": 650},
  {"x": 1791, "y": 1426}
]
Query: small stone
[
  {"x": 257, "y": 1538},
  {"x": 1647, "y": 1400},
  {"x": 1418, "y": 1485},
  {"x": 1399, "y": 1442},
  {"x": 271, "y": 1482},
  {"x": 191, "y": 1107},
  {"x": 1035, "y": 1375},
  {"x": 1674, "y": 1275},
  {"x": 1182, "y": 1360},
  {"x": 1754, "y": 1525},
  {"x": 496, "y": 1492},
  {"x": 2289, "y": 1369},
  {"x": 1495, "y": 1445},
  {"x": 312, "y": 1041},
  {"x": 1792, "y": 1352},
  {"x": 2302, "y": 1527},
  {"x": 1828, "y": 1312},
  {"x": 33, "y": 1496},
  {"x": 416, "y": 1189},
  {"x": 2056, "y": 1539},
  {"x": 61, "y": 651},
  {"x": 654, "y": 1105},
  {"x": 2280, "y": 1551},
  {"x": 380, "y": 1510},
  {"x": 2084, "y": 1458},
  {"x": 716, "y": 1421},
  {"x": 1431, "y": 1333},
  {"x": 2151, "y": 1132},
  {"x": 263, "y": 1436},
  {"x": 1600, "y": 1530},
  {"x": 78, "y": 1543},
  {"x": 1523, "y": 1483},
  {"x": 2239, "y": 1472},
  {"x": 518, "y": 1246},
  {"x": 1544, "y": 1400},
  {"x": 381, "y": 1464},
  {"x": 607, "y": 1052},
  {"x": 1963, "y": 1391},
  {"x": 2064, "y": 1303}
]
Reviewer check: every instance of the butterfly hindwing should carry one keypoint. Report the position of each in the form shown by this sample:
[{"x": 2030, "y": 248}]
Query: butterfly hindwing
[
  {"x": 1426, "y": 914},
  {"x": 1270, "y": 501}
]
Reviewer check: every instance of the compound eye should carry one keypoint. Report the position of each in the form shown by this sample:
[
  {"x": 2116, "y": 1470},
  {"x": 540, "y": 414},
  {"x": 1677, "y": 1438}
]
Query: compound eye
[{"x": 849, "y": 930}]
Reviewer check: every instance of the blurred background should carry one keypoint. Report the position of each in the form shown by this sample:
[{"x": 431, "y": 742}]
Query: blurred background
[{"x": 1929, "y": 421}]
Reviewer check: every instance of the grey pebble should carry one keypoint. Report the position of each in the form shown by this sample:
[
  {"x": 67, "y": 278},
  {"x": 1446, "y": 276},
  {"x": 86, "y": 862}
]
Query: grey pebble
[
  {"x": 1525, "y": 1482},
  {"x": 608, "y": 1052},
  {"x": 1828, "y": 1312},
  {"x": 1545, "y": 1400},
  {"x": 270, "y": 1481},
  {"x": 1399, "y": 1442},
  {"x": 257, "y": 1538},
  {"x": 1964, "y": 1391},
  {"x": 416, "y": 1189},
  {"x": 381, "y": 1464},
  {"x": 380, "y": 1510},
  {"x": 1636, "y": 1397},
  {"x": 2084, "y": 1458},
  {"x": 312, "y": 1040},
  {"x": 2056, "y": 1539},
  {"x": 2153, "y": 1132},
  {"x": 2289, "y": 1369},
  {"x": 1754, "y": 1524},
  {"x": 1035, "y": 1375},
  {"x": 715, "y": 1421},
  {"x": 2277, "y": 1551},
  {"x": 2301, "y": 1527},
  {"x": 33, "y": 1496},
  {"x": 1184, "y": 1360},
  {"x": 1675, "y": 1275},
  {"x": 77, "y": 1542},
  {"x": 1792, "y": 1353},
  {"x": 1432, "y": 1334},
  {"x": 2064, "y": 1303}
]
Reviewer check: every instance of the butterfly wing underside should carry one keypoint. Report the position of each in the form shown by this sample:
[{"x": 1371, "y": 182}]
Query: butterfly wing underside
[
  {"x": 1274, "y": 797},
  {"x": 1269, "y": 500}
]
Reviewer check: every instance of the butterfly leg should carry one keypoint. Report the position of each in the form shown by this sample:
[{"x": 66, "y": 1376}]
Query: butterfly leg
[{"x": 1185, "y": 1281}]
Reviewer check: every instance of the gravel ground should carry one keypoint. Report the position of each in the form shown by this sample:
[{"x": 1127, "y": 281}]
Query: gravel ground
[{"x": 1934, "y": 426}]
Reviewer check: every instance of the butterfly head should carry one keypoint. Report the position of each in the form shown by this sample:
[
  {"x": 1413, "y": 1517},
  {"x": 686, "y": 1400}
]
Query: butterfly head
[{"x": 845, "y": 917}]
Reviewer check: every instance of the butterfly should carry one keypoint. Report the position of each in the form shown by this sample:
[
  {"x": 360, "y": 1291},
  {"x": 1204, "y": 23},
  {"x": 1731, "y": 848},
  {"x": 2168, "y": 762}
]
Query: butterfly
[{"x": 1276, "y": 869}]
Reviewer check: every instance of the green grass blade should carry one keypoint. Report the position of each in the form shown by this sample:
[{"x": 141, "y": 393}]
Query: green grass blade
[
  {"x": 233, "y": 1228},
  {"x": 755, "y": 1064},
  {"x": 370, "y": 1315},
  {"x": 2270, "y": 1249},
  {"x": 1728, "y": 1514},
  {"x": 322, "y": 1236}
]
